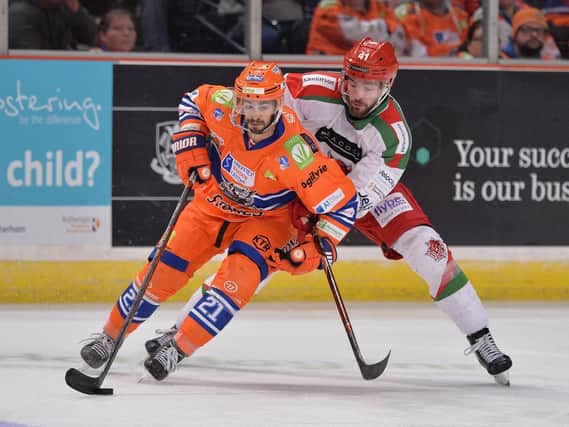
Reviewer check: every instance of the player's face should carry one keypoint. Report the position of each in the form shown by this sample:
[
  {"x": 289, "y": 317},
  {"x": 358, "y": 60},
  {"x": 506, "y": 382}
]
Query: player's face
[
  {"x": 258, "y": 114},
  {"x": 362, "y": 95}
]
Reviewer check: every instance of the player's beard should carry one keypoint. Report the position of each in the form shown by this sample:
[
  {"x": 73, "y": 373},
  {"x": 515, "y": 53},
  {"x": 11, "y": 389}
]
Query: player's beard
[
  {"x": 257, "y": 126},
  {"x": 358, "y": 109}
]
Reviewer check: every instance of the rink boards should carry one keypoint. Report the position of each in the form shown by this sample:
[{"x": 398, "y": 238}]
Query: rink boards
[{"x": 362, "y": 275}]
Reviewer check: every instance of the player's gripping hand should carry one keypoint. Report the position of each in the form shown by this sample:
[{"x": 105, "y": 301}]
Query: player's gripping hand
[
  {"x": 305, "y": 257},
  {"x": 191, "y": 154}
]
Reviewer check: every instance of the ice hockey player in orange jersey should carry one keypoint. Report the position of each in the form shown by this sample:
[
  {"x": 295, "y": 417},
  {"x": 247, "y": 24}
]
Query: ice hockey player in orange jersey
[{"x": 252, "y": 157}]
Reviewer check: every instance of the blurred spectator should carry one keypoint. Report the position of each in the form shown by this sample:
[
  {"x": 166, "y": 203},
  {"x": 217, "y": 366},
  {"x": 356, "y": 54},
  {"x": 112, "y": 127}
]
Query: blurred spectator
[
  {"x": 288, "y": 18},
  {"x": 154, "y": 25},
  {"x": 529, "y": 33},
  {"x": 338, "y": 24},
  {"x": 507, "y": 10},
  {"x": 117, "y": 31},
  {"x": 472, "y": 47},
  {"x": 557, "y": 14},
  {"x": 434, "y": 27},
  {"x": 50, "y": 24},
  {"x": 469, "y": 6}
]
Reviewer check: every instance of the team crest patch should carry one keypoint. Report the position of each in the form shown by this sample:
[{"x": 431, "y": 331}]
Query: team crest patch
[
  {"x": 283, "y": 162},
  {"x": 218, "y": 114},
  {"x": 436, "y": 249}
]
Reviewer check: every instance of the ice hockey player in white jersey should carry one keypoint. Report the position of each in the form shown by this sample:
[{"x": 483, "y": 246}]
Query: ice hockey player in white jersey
[{"x": 358, "y": 123}]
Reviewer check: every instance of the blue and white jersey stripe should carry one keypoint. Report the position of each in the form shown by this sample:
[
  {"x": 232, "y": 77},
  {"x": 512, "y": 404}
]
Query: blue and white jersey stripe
[
  {"x": 188, "y": 109},
  {"x": 347, "y": 214}
]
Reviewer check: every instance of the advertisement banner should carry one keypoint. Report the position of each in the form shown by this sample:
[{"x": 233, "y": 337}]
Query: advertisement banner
[
  {"x": 489, "y": 166},
  {"x": 55, "y": 165}
]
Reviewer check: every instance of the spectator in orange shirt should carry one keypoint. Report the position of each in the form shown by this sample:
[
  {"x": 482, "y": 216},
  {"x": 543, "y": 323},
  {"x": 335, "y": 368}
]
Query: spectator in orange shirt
[
  {"x": 434, "y": 27},
  {"x": 529, "y": 35},
  {"x": 337, "y": 24}
]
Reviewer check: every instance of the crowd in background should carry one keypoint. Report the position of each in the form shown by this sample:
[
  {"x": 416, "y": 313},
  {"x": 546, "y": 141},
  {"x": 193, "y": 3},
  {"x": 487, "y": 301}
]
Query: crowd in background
[{"x": 537, "y": 29}]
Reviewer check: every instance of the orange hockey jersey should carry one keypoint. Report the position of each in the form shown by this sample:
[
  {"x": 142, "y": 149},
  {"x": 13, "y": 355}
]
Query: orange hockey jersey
[
  {"x": 256, "y": 179},
  {"x": 437, "y": 34},
  {"x": 336, "y": 27}
]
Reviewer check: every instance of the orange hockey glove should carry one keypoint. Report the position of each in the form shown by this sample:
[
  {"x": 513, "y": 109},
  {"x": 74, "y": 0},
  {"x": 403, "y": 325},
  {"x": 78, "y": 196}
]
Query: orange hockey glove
[
  {"x": 303, "y": 258},
  {"x": 191, "y": 154}
]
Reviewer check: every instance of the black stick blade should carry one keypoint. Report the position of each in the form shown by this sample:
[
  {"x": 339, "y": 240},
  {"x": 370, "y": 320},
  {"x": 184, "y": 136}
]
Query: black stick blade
[
  {"x": 77, "y": 380},
  {"x": 371, "y": 372}
]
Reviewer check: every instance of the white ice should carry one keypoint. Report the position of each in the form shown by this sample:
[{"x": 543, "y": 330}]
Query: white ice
[{"x": 291, "y": 365}]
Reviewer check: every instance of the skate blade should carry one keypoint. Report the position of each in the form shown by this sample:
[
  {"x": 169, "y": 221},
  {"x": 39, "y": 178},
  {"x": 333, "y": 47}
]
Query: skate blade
[{"x": 503, "y": 378}]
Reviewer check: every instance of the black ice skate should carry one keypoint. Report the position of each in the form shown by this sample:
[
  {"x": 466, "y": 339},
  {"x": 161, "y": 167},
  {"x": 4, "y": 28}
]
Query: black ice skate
[
  {"x": 490, "y": 356},
  {"x": 165, "y": 336},
  {"x": 96, "y": 352},
  {"x": 164, "y": 361}
]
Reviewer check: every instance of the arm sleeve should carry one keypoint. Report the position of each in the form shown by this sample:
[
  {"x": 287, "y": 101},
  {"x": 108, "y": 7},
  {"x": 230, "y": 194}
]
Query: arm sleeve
[
  {"x": 325, "y": 190},
  {"x": 190, "y": 110}
]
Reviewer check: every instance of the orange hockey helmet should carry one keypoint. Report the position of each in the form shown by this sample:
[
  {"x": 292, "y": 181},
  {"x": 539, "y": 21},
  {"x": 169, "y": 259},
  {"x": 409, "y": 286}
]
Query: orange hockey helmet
[
  {"x": 372, "y": 60},
  {"x": 259, "y": 81}
]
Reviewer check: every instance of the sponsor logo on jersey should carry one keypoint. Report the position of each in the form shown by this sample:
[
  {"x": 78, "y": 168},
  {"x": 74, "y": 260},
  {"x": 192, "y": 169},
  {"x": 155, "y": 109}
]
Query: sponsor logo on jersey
[
  {"x": 270, "y": 175},
  {"x": 365, "y": 203},
  {"x": 345, "y": 148},
  {"x": 386, "y": 177},
  {"x": 319, "y": 80},
  {"x": 390, "y": 207},
  {"x": 436, "y": 249},
  {"x": 372, "y": 188},
  {"x": 402, "y": 136},
  {"x": 262, "y": 243},
  {"x": 218, "y": 114},
  {"x": 223, "y": 97},
  {"x": 222, "y": 205},
  {"x": 299, "y": 151},
  {"x": 164, "y": 163},
  {"x": 330, "y": 229},
  {"x": 313, "y": 176},
  {"x": 239, "y": 172},
  {"x": 283, "y": 163},
  {"x": 329, "y": 202}
]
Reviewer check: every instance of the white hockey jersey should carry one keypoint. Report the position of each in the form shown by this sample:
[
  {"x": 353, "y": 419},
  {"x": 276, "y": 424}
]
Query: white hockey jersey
[{"x": 375, "y": 150}]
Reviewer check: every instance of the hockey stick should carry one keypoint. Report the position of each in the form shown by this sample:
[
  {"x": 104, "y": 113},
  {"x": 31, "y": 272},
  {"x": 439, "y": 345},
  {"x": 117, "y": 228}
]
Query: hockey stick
[
  {"x": 369, "y": 372},
  {"x": 76, "y": 379}
]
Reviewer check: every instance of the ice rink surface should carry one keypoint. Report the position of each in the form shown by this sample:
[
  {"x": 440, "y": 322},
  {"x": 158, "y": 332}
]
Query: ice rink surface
[{"x": 291, "y": 365}]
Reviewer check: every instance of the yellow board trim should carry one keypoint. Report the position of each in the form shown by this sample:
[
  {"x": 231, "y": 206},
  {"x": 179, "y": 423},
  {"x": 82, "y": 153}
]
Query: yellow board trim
[{"x": 103, "y": 281}]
